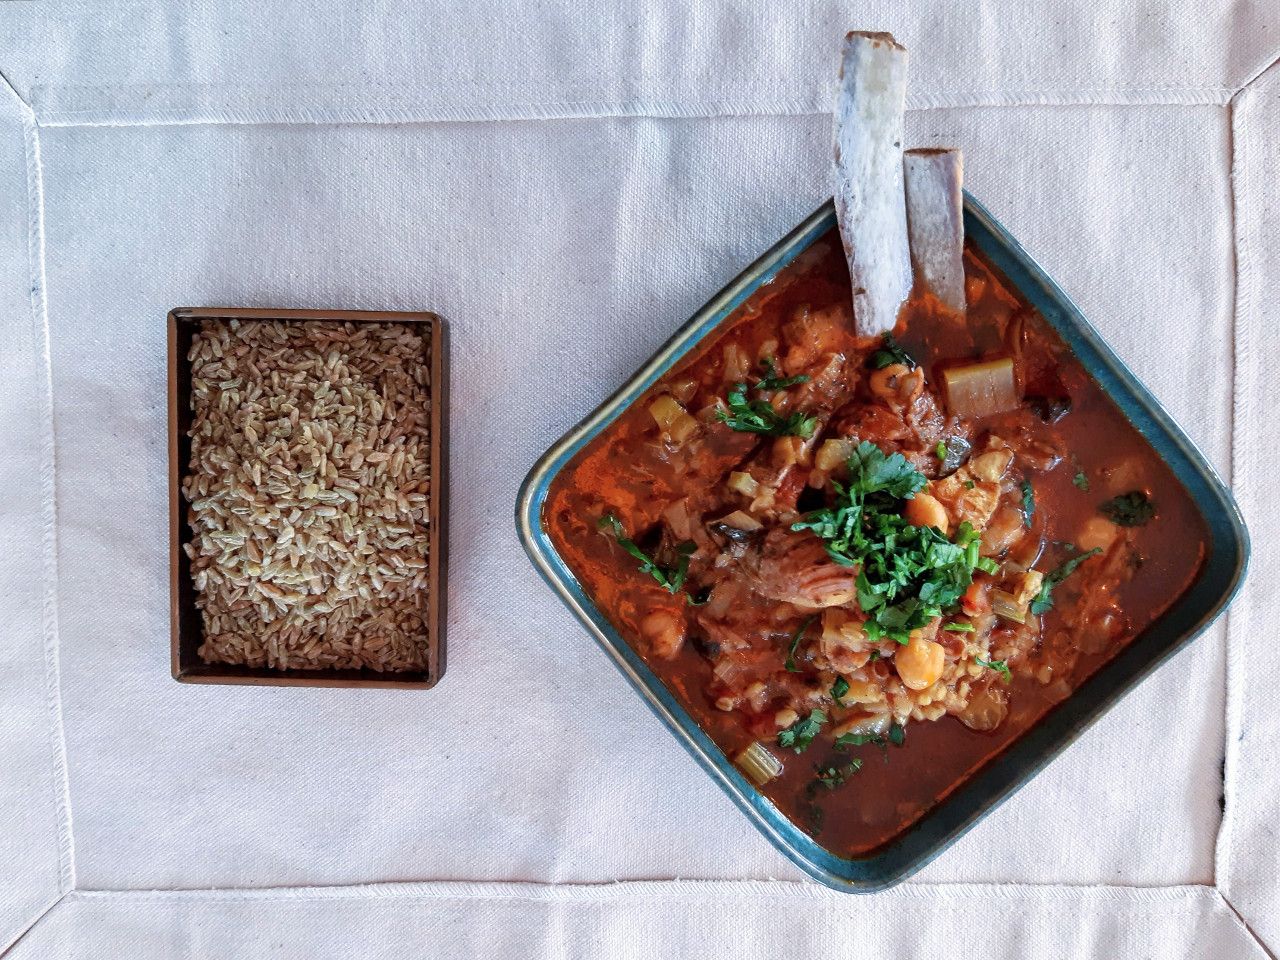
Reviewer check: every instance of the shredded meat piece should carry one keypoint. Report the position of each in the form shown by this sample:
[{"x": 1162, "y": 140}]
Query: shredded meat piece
[{"x": 795, "y": 568}]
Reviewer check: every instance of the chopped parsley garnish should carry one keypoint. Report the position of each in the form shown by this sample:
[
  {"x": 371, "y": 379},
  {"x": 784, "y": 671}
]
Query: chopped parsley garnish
[
  {"x": 969, "y": 484},
  {"x": 875, "y": 655},
  {"x": 670, "y": 578},
  {"x": 940, "y": 451},
  {"x": 1028, "y": 502},
  {"x": 1000, "y": 666},
  {"x": 839, "y": 689},
  {"x": 891, "y": 352},
  {"x": 896, "y": 736},
  {"x": 832, "y": 777},
  {"x": 800, "y": 734},
  {"x": 1081, "y": 481},
  {"x": 1132, "y": 509},
  {"x": 1044, "y": 599},
  {"x": 795, "y": 642},
  {"x": 772, "y": 381},
  {"x": 758, "y": 416},
  {"x": 960, "y": 626},
  {"x": 908, "y": 575}
]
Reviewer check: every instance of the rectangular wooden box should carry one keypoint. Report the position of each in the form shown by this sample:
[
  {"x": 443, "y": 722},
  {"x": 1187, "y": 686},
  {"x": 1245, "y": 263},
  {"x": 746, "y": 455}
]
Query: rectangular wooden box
[{"x": 186, "y": 625}]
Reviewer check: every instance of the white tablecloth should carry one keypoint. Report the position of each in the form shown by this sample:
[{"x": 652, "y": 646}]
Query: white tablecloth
[{"x": 566, "y": 184}]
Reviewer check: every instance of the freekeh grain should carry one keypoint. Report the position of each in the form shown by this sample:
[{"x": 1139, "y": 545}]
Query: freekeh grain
[{"x": 308, "y": 490}]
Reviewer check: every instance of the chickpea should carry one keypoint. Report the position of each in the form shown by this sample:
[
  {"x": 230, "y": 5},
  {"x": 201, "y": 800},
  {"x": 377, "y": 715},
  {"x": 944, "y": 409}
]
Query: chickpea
[
  {"x": 896, "y": 382},
  {"x": 1097, "y": 532},
  {"x": 785, "y": 718},
  {"x": 924, "y": 510},
  {"x": 920, "y": 662},
  {"x": 664, "y": 631}
]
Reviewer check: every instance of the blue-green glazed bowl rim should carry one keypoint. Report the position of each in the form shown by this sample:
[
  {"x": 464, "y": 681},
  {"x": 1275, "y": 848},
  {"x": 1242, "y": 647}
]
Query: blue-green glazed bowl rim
[{"x": 1227, "y": 556}]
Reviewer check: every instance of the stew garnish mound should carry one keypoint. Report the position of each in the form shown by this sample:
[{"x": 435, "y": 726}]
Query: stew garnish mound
[{"x": 865, "y": 566}]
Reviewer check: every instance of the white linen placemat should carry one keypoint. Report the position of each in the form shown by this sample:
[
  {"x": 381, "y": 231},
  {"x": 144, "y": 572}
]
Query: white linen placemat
[{"x": 192, "y": 154}]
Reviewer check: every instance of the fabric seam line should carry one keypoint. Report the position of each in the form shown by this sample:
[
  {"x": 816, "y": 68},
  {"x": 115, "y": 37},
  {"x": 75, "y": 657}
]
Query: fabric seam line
[
  {"x": 48, "y": 483},
  {"x": 609, "y": 891},
  {"x": 267, "y": 111}
]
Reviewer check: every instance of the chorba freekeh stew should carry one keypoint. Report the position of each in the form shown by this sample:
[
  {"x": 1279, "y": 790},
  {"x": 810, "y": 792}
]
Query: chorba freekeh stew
[{"x": 866, "y": 566}]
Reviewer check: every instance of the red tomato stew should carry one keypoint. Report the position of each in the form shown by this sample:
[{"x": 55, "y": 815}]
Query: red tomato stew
[{"x": 865, "y": 566}]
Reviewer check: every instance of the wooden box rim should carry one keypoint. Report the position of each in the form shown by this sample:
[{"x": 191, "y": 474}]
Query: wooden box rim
[{"x": 185, "y": 664}]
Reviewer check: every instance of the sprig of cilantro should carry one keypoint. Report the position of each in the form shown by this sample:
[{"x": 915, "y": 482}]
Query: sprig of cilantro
[
  {"x": 908, "y": 575},
  {"x": 748, "y": 415},
  {"x": 800, "y": 734},
  {"x": 1028, "y": 502},
  {"x": 1044, "y": 599},
  {"x": 832, "y": 777},
  {"x": 670, "y": 578},
  {"x": 897, "y": 735},
  {"x": 795, "y": 642},
  {"x": 771, "y": 381},
  {"x": 1000, "y": 666},
  {"x": 839, "y": 689},
  {"x": 890, "y": 352},
  {"x": 1132, "y": 509}
]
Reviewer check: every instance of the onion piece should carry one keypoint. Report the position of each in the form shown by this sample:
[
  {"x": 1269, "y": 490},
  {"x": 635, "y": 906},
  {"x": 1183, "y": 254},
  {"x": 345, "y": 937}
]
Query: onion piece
[
  {"x": 758, "y": 763},
  {"x": 740, "y": 520},
  {"x": 870, "y": 198},
  {"x": 981, "y": 389},
  {"x": 743, "y": 483}
]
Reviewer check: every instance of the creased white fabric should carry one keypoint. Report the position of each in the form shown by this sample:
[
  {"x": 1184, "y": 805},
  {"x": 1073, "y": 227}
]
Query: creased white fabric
[
  {"x": 1249, "y": 853},
  {"x": 463, "y": 59},
  {"x": 593, "y": 256},
  {"x": 761, "y": 921},
  {"x": 629, "y": 164},
  {"x": 34, "y": 838}
]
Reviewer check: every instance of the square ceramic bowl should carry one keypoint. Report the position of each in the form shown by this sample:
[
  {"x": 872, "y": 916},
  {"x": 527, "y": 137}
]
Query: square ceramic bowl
[
  {"x": 1203, "y": 601},
  {"x": 186, "y": 625}
]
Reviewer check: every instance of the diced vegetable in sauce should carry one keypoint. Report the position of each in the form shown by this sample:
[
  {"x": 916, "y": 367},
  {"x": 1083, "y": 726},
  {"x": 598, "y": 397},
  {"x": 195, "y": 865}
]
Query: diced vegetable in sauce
[{"x": 981, "y": 389}]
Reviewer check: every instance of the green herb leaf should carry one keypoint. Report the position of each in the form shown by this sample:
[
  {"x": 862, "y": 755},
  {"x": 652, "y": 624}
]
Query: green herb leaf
[
  {"x": 795, "y": 642},
  {"x": 800, "y": 734},
  {"x": 832, "y": 777},
  {"x": 748, "y": 415},
  {"x": 1132, "y": 509},
  {"x": 670, "y": 578},
  {"x": 891, "y": 352},
  {"x": 1028, "y": 502},
  {"x": 839, "y": 689},
  {"x": 1044, "y": 599},
  {"x": 940, "y": 451},
  {"x": 960, "y": 626},
  {"x": 1081, "y": 481},
  {"x": 771, "y": 381},
  {"x": 969, "y": 484},
  {"x": 907, "y": 575},
  {"x": 897, "y": 734},
  {"x": 1000, "y": 666}
]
